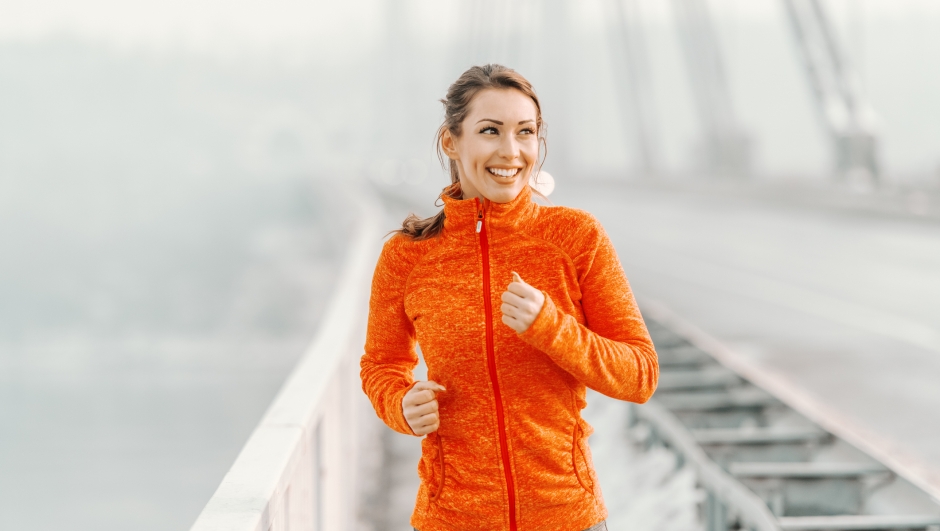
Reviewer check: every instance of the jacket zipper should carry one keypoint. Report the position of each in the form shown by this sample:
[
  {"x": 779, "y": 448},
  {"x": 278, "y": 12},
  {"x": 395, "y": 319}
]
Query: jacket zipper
[{"x": 491, "y": 364}]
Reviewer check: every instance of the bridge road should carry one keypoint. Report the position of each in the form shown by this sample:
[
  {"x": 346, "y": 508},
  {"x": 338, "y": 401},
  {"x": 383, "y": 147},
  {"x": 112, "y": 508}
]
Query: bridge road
[{"x": 843, "y": 306}]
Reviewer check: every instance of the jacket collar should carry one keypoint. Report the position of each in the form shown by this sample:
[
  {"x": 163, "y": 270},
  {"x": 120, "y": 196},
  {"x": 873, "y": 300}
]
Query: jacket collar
[{"x": 462, "y": 214}]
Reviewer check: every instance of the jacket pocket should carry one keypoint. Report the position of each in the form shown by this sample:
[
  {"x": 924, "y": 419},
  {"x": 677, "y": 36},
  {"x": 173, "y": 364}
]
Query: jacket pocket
[
  {"x": 432, "y": 465},
  {"x": 581, "y": 459}
]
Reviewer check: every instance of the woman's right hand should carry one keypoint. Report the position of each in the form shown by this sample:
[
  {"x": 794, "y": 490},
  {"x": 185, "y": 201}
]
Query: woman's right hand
[{"x": 420, "y": 407}]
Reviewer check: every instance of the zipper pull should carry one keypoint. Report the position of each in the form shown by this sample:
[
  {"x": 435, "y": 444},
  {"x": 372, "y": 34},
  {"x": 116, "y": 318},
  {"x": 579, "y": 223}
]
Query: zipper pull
[{"x": 479, "y": 220}]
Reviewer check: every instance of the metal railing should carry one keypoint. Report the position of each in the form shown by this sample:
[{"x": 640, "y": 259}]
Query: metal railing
[
  {"x": 768, "y": 457},
  {"x": 298, "y": 469}
]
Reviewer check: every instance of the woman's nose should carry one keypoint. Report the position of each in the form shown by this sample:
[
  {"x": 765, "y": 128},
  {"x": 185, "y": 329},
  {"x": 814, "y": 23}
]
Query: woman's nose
[{"x": 508, "y": 148}]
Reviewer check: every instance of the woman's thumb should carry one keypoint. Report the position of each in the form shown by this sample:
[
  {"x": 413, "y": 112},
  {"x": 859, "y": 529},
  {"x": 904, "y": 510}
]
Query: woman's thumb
[
  {"x": 430, "y": 385},
  {"x": 517, "y": 278}
]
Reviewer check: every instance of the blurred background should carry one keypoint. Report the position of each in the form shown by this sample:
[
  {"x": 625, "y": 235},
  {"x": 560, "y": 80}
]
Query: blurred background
[{"x": 177, "y": 181}]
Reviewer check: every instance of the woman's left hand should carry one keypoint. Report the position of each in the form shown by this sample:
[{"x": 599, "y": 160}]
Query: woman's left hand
[{"x": 521, "y": 304}]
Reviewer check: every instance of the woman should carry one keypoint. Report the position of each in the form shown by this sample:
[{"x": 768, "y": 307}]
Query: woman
[{"x": 517, "y": 308}]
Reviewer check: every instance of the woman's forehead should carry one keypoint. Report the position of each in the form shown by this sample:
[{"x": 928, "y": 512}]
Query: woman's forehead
[{"x": 504, "y": 105}]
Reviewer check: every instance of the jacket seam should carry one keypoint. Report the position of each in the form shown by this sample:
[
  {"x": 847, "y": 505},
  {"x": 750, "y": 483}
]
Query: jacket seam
[
  {"x": 434, "y": 497},
  {"x": 420, "y": 260},
  {"x": 588, "y": 221},
  {"x": 564, "y": 253},
  {"x": 575, "y": 450}
]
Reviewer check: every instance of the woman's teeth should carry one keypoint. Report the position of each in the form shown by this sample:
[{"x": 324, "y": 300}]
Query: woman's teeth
[{"x": 503, "y": 173}]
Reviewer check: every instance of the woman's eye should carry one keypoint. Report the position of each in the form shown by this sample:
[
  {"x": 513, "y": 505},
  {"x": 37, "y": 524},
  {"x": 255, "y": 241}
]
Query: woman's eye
[
  {"x": 527, "y": 131},
  {"x": 489, "y": 130}
]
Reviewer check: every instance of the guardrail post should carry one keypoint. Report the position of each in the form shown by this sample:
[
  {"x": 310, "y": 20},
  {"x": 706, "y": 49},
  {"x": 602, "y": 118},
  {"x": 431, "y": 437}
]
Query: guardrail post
[{"x": 716, "y": 517}]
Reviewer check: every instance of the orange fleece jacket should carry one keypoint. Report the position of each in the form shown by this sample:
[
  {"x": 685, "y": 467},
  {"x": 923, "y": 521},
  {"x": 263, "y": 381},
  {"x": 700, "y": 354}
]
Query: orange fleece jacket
[{"x": 511, "y": 452}]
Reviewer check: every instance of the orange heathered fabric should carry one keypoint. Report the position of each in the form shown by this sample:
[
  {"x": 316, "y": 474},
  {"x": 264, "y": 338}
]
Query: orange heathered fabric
[{"x": 588, "y": 333}]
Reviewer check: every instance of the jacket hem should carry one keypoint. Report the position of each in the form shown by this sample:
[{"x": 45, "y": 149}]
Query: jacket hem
[
  {"x": 400, "y": 422},
  {"x": 590, "y": 516}
]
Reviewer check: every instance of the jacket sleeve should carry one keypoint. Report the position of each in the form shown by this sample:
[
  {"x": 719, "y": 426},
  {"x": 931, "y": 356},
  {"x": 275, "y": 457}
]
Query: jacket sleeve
[
  {"x": 389, "y": 359},
  {"x": 613, "y": 353}
]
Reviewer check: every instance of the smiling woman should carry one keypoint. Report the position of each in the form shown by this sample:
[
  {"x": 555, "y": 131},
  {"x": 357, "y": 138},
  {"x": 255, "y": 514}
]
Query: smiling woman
[
  {"x": 497, "y": 156},
  {"x": 505, "y": 447},
  {"x": 503, "y": 149}
]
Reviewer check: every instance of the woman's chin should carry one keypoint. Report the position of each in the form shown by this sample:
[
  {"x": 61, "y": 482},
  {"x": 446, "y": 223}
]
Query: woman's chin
[{"x": 503, "y": 193}]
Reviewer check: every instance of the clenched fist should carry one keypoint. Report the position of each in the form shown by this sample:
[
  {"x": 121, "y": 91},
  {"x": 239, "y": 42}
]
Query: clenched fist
[
  {"x": 521, "y": 304},
  {"x": 420, "y": 407}
]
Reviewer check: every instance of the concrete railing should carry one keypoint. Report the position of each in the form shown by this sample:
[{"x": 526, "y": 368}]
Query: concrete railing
[{"x": 298, "y": 469}]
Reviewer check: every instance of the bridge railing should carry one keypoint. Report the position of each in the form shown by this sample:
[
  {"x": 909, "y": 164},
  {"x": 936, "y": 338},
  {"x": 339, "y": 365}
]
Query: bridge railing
[
  {"x": 768, "y": 456},
  {"x": 298, "y": 469}
]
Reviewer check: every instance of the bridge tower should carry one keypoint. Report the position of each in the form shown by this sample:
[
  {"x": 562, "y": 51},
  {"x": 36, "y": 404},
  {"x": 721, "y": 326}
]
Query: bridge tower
[
  {"x": 726, "y": 147},
  {"x": 847, "y": 116},
  {"x": 631, "y": 71}
]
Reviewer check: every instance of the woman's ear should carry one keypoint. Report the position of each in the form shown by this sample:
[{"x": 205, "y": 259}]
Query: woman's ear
[{"x": 449, "y": 145}]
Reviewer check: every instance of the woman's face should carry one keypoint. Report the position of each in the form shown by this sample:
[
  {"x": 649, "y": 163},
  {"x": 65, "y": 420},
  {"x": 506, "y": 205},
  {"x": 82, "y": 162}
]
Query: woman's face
[{"x": 498, "y": 146}]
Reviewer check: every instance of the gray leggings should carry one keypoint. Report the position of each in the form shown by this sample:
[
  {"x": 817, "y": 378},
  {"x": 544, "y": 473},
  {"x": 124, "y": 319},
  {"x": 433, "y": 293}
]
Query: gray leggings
[{"x": 600, "y": 526}]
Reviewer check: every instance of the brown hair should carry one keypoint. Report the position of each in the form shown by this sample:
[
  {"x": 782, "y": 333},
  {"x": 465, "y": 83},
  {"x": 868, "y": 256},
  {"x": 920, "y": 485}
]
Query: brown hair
[{"x": 456, "y": 106}]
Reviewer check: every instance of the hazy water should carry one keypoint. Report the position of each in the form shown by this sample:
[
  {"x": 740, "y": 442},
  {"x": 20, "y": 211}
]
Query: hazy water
[{"x": 169, "y": 236}]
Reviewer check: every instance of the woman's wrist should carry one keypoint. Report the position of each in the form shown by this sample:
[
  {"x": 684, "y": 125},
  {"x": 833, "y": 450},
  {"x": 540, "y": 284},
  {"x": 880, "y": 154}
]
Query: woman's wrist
[{"x": 544, "y": 328}]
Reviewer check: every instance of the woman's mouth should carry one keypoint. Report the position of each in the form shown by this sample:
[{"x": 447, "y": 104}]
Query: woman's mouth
[{"x": 505, "y": 173}]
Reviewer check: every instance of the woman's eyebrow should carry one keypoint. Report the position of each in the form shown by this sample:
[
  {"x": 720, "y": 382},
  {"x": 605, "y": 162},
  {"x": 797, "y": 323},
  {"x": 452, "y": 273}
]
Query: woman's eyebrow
[{"x": 501, "y": 123}]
